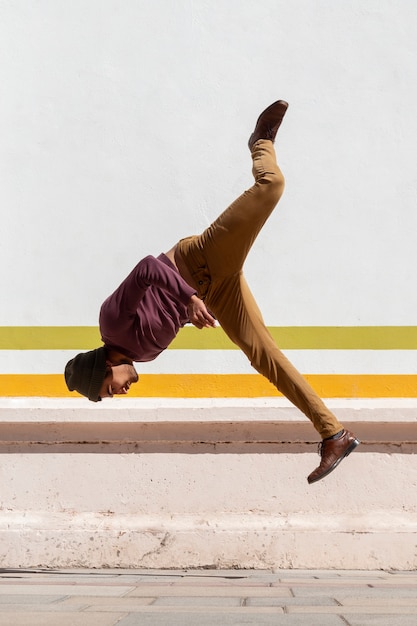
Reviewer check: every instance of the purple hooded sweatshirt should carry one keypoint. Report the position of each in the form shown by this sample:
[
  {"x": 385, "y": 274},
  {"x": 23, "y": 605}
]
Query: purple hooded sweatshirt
[{"x": 145, "y": 313}]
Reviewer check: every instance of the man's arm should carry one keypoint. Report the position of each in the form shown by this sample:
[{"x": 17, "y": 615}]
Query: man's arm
[
  {"x": 149, "y": 271},
  {"x": 199, "y": 316},
  {"x": 124, "y": 301}
]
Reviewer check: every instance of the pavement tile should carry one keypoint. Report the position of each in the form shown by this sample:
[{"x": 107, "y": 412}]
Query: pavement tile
[
  {"x": 28, "y": 599},
  {"x": 375, "y": 594},
  {"x": 273, "y": 601},
  {"x": 104, "y": 579},
  {"x": 53, "y": 589},
  {"x": 223, "y": 619},
  {"x": 359, "y": 591},
  {"x": 334, "y": 582},
  {"x": 218, "y": 591},
  {"x": 394, "y": 582},
  {"x": 64, "y": 619},
  {"x": 96, "y": 603},
  {"x": 382, "y": 601},
  {"x": 44, "y": 608},
  {"x": 323, "y": 574},
  {"x": 209, "y": 609},
  {"x": 381, "y": 620},
  {"x": 305, "y": 573},
  {"x": 201, "y": 601},
  {"x": 349, "y": 610},
  {"x": 213, "y": 582}
]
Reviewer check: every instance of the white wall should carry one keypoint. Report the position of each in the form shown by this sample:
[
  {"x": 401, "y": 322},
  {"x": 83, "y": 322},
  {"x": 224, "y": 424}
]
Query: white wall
[{"x": 124, "y": 126}]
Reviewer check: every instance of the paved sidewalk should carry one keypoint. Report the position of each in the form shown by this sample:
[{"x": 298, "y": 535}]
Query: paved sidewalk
[{"x": 207, "y": 598}]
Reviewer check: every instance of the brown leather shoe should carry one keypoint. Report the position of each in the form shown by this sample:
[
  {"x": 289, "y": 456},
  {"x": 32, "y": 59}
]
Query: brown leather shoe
[
  {"x": 268, "y": 123},
  {"x": 332, "y": 451}
]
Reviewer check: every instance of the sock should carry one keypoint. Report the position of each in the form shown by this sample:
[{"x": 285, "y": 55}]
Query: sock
[{"x": 336, "y": 436}]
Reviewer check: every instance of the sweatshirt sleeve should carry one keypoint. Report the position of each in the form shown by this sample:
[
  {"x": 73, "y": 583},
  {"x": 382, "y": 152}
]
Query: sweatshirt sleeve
[{"x": 149, "y": 271}]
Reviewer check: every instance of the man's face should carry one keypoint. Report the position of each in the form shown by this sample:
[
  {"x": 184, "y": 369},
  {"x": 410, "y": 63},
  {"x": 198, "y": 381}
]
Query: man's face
[{"x": 118, "y": 380}]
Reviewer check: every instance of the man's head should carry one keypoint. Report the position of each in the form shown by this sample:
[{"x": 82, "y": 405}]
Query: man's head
[
  {"x": 97, "y": 375},
  {"x": 118, "y": 379}
]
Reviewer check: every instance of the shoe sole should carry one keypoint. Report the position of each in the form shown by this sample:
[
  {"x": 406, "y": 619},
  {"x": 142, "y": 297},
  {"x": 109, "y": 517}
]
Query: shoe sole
[{"x": 355, "y": 443}]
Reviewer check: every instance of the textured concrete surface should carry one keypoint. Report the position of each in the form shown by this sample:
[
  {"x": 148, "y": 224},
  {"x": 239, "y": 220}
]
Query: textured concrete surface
[
  {"x": 192, "y": 486},
  {"x": 207, "y": 598}
]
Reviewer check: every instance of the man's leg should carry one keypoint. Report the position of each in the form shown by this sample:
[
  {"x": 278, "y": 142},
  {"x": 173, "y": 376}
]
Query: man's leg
[
  {"x": 235, "y": 308},
  {"x": 214, "y": 260},
  {"x": 222, "y": 248},
  {"x": 238, "y": 314}
]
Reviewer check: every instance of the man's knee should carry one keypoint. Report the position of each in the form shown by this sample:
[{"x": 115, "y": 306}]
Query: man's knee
[
  {"x": 272, "y": 185},
  {"x": 278, "y": 184}
]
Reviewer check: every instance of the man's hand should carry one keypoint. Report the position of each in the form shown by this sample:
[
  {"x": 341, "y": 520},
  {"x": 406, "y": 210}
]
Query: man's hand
[{"x": 198, "y": 314}]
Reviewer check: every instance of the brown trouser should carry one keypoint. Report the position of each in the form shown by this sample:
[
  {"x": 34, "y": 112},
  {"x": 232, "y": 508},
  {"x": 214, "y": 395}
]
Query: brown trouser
[{"x": 215, "y": 260}]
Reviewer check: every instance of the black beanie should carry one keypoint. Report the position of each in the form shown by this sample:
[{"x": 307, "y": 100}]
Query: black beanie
[{"x": 85, "y": 373}]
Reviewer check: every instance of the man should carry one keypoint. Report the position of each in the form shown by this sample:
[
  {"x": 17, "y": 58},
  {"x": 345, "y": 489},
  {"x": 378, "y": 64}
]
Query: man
[{"x": 200, "y": 280}]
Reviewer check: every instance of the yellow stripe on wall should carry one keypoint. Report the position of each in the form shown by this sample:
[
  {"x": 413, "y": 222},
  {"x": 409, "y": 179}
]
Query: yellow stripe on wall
[
  {"x": 190, "y": 338},
  {"x": 221, "y": 386},
  {"x": 49, "y": 337}
]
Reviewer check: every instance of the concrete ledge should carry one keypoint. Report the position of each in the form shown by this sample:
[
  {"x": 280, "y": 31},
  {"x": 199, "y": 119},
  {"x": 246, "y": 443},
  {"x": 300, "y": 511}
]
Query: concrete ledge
[
  {"x": 228, "y": 541},
  {"x": 259, "y": 426},
  {"x": 194, "y": 437},
  {"x": 194, "y": 485}
]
